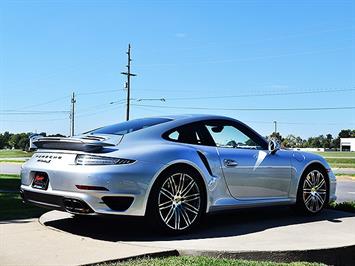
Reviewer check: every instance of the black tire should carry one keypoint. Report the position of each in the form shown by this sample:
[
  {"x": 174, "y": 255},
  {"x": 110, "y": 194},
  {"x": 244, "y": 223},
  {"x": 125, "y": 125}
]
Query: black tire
[
  {"x": 186, "y": 210},
  {"x": 313, "y": 193}
]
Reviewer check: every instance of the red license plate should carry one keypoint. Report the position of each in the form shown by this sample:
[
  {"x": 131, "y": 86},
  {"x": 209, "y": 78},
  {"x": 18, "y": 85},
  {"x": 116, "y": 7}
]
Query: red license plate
[{"x": 40, "y": 180}]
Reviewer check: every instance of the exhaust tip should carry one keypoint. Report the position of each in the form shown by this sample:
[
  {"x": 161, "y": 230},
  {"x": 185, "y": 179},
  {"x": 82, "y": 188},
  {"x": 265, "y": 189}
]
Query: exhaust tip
[{"x": 76, "y": 206}]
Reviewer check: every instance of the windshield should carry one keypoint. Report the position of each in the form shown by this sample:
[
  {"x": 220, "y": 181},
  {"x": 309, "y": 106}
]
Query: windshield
[{"x": 129, "y": 126}]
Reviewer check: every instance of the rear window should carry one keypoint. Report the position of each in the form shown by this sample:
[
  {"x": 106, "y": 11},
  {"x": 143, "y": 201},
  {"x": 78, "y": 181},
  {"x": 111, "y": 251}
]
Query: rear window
[{"x": 129, "y": 126}]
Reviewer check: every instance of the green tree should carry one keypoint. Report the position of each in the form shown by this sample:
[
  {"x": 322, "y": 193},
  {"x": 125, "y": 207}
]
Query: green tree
[{"x": 276, "y": 135}]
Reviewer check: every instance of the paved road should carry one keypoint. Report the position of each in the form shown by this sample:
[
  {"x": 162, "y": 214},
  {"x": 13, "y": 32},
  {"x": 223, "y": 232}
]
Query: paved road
[
  {"x": 274, "y": 229},
  {"x": 346, "y": 171},
  {"x": 10, "y": 168},
  {"x": 345, "y": 190}
]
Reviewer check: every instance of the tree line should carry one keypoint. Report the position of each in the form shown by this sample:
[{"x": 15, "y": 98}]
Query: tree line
[
  {"x": 21, "y": 140},
  {"x": 322, "y": 141}
]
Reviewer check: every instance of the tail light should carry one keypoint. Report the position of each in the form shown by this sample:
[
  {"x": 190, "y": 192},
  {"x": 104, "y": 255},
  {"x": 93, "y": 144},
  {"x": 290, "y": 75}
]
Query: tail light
[{"x": 84, "y": 159}]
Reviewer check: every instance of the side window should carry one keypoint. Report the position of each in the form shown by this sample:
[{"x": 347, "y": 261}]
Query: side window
[
  {"x": 228, "y": 136},
  {"x": 191, "y": 134},
  {"x": 173, "y": 135}
]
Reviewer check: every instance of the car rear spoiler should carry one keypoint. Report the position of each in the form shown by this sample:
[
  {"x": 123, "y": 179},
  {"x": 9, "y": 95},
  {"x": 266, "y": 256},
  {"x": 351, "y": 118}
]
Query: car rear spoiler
[{"x": 87, "y": 144}]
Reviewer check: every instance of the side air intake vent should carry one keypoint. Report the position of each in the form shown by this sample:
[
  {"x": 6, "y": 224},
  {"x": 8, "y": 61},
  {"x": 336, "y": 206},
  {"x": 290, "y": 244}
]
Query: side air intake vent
[{"x": 205, "y": 162}]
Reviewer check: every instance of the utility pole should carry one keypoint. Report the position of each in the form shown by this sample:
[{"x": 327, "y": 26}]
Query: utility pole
[
  {"x": 128, "y": 84},
  {"x": 73, "y": 101},
  {"x": 275, "y": 126}
]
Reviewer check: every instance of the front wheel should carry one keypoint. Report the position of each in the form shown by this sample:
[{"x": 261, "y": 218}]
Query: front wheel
[
  {"x": 177, "y": 201},
  {"x": 313, "y": 192}
]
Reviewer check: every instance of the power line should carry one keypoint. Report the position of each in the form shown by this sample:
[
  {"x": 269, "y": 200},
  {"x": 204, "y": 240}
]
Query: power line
[
  {"x": 246, "y": 59},
  {"x": 95, "y": 92},
  {"x": 44, "y": 112},
  {"x": 250, "y": 109},
  {"x": 260, "y": 94},
  {"x": 38, "y": 104}
]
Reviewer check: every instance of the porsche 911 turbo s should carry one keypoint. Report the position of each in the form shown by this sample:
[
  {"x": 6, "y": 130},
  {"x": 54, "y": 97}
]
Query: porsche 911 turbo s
[{"x": 173, "y": 170}]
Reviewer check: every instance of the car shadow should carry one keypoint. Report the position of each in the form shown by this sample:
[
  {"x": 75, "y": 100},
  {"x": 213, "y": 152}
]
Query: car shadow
[{"x": 226, "y": 224}]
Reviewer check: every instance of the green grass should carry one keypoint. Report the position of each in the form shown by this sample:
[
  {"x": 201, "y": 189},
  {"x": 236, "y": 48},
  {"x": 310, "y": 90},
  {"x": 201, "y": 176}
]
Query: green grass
[
  {"x": 337, "y": 160},
  {"x": 11, "y": 206},
  {"x": 201, "y": 261},
  {"x": 348, "y": 206},
  {"x": 10, "y": 182},
  {"x": 342, "y": 165},
  {"x": 11, "y": 161},
  {"x": 14, "y": 153},
  {"x": 341, "y": 162},
  {"x": 352, "y": 175},
  {"x": 336, "y": 154}
]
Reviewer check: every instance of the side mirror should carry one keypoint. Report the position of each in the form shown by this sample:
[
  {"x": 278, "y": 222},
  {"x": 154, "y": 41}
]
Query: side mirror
[{"x": 274, "y": 146}]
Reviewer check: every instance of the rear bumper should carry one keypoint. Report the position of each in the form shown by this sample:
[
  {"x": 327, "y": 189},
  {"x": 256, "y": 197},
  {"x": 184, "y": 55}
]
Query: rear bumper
[
  {"x": 81, "y": 203},
  {"x": 125, "y": 187},
  {"x": 56, "y": 202}
]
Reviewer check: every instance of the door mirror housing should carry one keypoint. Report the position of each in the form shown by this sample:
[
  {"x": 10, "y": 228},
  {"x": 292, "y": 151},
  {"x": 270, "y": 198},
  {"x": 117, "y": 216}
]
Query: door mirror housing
[{"x": 274, "y": 146}]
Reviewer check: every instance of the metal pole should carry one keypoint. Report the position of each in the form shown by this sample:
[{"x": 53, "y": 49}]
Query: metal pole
[
  {"x": 275, "y": 126},
  {"x": 73, "y": 101},
  {"x": 128, "y": 74}
]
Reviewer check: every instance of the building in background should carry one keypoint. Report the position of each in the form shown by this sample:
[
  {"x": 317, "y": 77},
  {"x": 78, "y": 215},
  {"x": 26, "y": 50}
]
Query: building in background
[{"x": 347, "y": 144}]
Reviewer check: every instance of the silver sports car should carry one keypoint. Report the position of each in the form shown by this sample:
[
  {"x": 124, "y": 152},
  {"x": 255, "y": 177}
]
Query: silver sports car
[{"x": 173, "y": 170}]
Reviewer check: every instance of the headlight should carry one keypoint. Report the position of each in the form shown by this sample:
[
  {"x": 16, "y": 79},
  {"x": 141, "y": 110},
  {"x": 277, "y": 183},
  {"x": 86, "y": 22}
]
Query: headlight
[{"x": 83, "y": 159}]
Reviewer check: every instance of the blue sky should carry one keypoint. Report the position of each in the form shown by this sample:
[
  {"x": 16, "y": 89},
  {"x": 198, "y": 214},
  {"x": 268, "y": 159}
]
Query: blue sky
[{"x": 299, "y": 53}]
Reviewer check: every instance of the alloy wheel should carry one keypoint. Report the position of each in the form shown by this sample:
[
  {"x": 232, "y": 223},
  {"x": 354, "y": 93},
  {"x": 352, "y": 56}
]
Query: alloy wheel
[
  {"x": 179, "y": 201},
  {"x": 314, "y": 191}
]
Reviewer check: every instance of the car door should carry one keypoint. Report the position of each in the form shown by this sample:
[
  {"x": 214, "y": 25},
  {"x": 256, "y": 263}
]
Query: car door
[{"x": 251, "y": 172}]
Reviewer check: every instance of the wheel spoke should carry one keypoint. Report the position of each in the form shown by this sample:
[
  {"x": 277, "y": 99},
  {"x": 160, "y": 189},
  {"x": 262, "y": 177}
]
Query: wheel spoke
[
  {"x": 173, "y": 185},
  {"x": 181, "y": 183},
  {"x": 169, "y": 215},
  {"x": 167, "y": 193},
  {"x": 319, "y": 198},
  {"x": 165, "y": 205},
  {"x": 308, "y": 199},
  {"x": 313, "y": 179},
  {"x": 320, "y": 184},
  {"x": 177, "y": 218},
  {"x": 190, "y": 208},
  {"x": 185, "y": 216},
  {"x": 188, "y": 188},
  {"x": 308, "y": 182}
]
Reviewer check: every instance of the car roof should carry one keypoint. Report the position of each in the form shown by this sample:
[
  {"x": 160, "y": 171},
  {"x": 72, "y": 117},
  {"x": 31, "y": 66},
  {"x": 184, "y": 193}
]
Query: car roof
[{"x": 194, "y": 116}]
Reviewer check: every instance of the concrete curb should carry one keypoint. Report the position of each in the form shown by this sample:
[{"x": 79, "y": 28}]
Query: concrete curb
[
  {"x": 333, "y": 256},
  {"x": 341, "y": 256}
]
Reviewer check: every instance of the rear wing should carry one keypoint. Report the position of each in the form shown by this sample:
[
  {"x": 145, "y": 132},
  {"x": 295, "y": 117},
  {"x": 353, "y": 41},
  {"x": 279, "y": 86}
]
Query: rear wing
[{"x": 85, "y": 143}]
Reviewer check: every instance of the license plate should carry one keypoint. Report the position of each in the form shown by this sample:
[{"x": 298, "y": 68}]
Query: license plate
[{"x": 40, "y": 181}]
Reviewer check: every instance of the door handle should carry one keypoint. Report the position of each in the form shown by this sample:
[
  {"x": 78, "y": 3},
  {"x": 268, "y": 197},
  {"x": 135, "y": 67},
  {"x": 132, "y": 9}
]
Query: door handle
[{"x": 230, "y": 163}]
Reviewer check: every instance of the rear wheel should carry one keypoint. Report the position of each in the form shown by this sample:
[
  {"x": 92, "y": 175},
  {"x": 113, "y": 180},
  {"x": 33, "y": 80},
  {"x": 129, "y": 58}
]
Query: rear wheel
[
  {"x": 177, "y": 201},
  {"x": 313, "y": 192}
]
